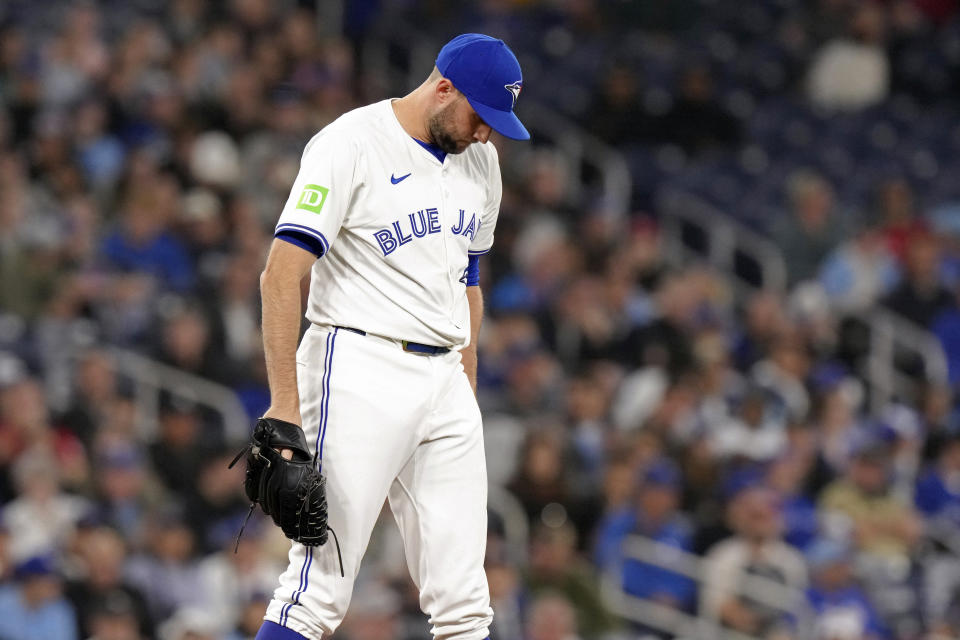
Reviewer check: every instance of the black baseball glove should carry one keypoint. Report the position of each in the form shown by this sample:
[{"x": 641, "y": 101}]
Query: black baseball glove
[{"x": 291, "y": 492}]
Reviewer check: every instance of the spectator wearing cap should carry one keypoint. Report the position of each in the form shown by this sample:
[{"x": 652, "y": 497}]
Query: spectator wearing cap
[
  {"x": 125, "y": 492},
  {"x": 843, "y": 609},
  {"x": 654, "y": 515},
  {"x": 757, "y": 432},
  {"x": 753, "y": 579},
  {"x": 861, "y": 504},
  {"x": 32, "y": 607}
]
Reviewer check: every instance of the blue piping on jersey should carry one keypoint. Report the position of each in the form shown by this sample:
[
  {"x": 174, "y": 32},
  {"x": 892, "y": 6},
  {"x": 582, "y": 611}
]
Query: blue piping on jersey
[
  {"x": 305, "y": 242},
  {"x": 304, "y": 233},
  {"x": 434, "y": 150},
  {"x": 318, "y": 455},
  {"x": 328, "y": 368},
  {"x": 478, "y": 253}
]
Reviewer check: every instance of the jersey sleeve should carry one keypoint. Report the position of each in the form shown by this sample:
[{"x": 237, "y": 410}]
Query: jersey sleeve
[
  {"x": 484, "y": 239},
  {"x": 321, "y": 194}
]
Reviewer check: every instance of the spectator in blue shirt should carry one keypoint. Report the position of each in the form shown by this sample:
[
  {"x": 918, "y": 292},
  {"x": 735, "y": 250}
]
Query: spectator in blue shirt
[
  {"x": 842, "y": 608},
  {"x": 938, "y": 490},
  {"x": 32, "y": 608},
  {"x": 655, "y": 515},
  {"x": 786, "y": 474},
  {"x": 142, "y": 243}
]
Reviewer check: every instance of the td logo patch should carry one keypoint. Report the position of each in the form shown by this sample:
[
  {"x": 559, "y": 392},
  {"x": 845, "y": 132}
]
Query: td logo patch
[{"x": 312, "y": 198}]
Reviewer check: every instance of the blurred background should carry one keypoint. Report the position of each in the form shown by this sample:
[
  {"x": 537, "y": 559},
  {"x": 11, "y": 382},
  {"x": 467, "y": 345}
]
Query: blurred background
[{"x": 719, "y": 368}]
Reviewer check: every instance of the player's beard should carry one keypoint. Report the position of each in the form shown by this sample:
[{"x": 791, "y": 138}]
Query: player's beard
[{"x": 440, "y": 127}]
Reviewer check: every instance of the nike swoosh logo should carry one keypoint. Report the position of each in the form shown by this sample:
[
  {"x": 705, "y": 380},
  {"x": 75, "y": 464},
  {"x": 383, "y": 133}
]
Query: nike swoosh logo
[{"x": 398, "y": 180}]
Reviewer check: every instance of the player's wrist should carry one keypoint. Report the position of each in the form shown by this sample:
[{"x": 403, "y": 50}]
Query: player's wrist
[{"x": 287, "y": 415}]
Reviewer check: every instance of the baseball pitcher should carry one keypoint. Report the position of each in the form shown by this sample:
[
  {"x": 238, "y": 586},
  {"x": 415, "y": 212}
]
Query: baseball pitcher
[{"x": 393, "y": 206}]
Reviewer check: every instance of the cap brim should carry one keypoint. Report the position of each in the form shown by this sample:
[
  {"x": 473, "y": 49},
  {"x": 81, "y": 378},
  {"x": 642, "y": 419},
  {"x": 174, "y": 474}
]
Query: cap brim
[{"x": 505, "y": 123}]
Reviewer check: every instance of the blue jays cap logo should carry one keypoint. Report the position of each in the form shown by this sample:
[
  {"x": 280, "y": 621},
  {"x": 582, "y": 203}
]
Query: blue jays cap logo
[{"x": 514, "y": 90}]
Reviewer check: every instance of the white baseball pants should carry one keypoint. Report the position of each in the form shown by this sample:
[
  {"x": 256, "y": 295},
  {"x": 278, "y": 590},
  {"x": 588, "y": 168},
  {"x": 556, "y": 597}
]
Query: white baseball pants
[{"x": 387, "y": 423}]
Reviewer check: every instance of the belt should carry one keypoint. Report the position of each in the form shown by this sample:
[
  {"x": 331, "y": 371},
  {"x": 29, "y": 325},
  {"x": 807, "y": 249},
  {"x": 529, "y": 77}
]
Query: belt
[{"x": 412, "y": 347}]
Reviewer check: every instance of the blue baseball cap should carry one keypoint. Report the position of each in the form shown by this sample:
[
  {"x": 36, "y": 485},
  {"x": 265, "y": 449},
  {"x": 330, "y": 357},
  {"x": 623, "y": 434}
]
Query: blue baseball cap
[{"x": 488, "y": 74}]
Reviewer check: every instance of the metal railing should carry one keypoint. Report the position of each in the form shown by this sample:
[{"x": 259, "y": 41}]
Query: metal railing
[
  {"x": 891, "y": 334},
  {"x": 151, "y": 377},
  {"x": 516, "y": 526},
  {"x": 770, "y": 593},
  {"x": 723, "y": 241}
]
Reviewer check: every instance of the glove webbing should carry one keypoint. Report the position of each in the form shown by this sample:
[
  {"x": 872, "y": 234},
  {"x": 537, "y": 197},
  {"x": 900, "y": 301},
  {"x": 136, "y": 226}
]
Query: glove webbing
[{"x": 253, "y": 505}]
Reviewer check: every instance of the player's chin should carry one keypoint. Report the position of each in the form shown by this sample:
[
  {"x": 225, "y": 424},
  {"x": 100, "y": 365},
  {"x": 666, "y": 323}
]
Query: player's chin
[{"x": 462, "y": 146}]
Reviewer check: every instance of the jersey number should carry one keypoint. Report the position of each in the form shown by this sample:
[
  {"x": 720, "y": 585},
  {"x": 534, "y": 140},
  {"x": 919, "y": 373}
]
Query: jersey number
[{"x": 463, "y": 278}]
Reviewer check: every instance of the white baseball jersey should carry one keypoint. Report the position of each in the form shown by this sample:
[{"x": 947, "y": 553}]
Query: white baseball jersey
[{"x": 394, "y": 225}]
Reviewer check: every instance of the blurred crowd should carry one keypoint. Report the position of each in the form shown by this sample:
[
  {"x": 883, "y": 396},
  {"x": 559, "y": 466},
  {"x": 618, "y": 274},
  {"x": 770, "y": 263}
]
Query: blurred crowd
[{"x": 146, "y": 149}]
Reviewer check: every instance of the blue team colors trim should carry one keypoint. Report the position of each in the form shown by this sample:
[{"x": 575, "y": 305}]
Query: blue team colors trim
[
  {"x": 273, "y": 631},
  {"x": 318, "y": 456},
  {"x": 301, "y": 235},
  {"x": 434, "y": 150},
  {"x": 304, "y": 242},
  {"x": 473, "y": 271},
  {"x": 328, "y": 368}
]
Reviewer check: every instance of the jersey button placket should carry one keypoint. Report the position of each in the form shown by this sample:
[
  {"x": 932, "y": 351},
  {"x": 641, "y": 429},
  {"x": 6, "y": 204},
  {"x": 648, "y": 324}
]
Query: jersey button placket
[{"x": 444, "y": 199}]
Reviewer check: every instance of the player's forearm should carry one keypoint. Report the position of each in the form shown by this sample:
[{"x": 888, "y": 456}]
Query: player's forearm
[
  {"x": 469, "y": 354},
  {"x": 281, "y": 331}
]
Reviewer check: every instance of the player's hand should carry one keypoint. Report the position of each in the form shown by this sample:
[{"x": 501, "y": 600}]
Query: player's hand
[
  {"x": 292, "y": 417},
  {"x": 286, "y": 485}
]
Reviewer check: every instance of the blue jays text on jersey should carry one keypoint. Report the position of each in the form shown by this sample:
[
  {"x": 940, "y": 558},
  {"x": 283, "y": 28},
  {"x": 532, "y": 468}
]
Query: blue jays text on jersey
[{"x": 422, "y": 223}]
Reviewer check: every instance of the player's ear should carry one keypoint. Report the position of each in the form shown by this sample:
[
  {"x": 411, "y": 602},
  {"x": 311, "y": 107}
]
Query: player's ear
[{"x": 445, "y": 91}]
